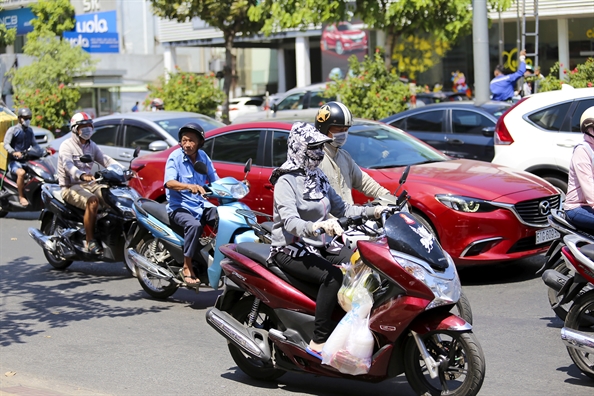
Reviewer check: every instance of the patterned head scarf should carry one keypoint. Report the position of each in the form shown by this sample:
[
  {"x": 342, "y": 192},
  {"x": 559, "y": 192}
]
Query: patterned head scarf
[{"x": 305, "y": 152}]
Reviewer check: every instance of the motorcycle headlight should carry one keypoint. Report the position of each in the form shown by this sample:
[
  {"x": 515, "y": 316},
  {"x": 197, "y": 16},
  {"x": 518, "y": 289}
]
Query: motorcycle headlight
[
  {"x": 446, "y": 286},
  {"x": 465, "y": 204},
  {"x": 239, "y": 190},
  {"x": 220, "y": 193},
  {"x": 124, "y": 200}
]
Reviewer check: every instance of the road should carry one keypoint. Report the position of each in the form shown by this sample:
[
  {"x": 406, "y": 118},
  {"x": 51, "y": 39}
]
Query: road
[{"x": 91, "y": 330}]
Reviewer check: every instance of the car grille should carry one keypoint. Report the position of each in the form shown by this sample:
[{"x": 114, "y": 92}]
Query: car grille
[
  {"x": 525, "y": 244},
  {"x": 531, "y": 212}
]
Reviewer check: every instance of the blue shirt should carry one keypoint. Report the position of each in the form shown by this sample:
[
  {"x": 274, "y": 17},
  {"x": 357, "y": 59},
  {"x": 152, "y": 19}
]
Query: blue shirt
[
  {"x": 502, "y": 86},
  {"x": 180, "y": 168}
]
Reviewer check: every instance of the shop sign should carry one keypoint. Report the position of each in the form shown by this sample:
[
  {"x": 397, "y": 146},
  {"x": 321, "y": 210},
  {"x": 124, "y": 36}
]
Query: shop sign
[
  {"x": 19, "y": 19},
  {"x": 96, "y": 32}
]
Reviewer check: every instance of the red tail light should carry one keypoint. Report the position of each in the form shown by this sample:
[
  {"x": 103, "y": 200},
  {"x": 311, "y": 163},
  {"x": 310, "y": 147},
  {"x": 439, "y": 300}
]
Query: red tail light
[
  {"x": 502, "y": 135},
  {"x": 233, "y": 108}
]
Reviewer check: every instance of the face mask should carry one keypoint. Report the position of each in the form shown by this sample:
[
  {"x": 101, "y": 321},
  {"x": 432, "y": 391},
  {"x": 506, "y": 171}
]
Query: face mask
[
  {"x": 86, "y": 133},
  {"x": 26, "y": 123},
  {"x": 339, "y": 139},
  {"x": 313, "y": 158}
]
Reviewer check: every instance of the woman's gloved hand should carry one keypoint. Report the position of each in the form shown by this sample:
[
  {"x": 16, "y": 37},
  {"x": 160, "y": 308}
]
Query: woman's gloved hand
[
  {"x": 331, "y": 227},
  {"x": 377, "y": 212}
]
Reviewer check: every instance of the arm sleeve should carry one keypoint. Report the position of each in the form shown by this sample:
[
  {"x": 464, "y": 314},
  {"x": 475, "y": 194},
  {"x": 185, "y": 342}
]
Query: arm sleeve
[
  {"x": 8, "y": 139},
  {"x": 339, "y": 208},
  {"x": 170, "y": 171},
  {"x": 519, "y": 73},
  {"x": 65, "y": 156},
  {"x": 584, "y": 174},
  {"x": 371, "y": 188},
  {"x": 103, "y": 159},
  {"x": 285, "y": 202}
]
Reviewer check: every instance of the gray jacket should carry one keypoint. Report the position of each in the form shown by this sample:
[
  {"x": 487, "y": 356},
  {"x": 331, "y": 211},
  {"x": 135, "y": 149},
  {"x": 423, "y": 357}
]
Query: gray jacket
[
  {"x": 294, "y": 216},
  {"x": 344, "y": 175}
]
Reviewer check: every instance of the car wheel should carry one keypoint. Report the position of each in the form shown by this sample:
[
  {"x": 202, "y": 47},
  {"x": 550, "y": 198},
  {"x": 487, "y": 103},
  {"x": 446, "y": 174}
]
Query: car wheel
[
  {"x": 557, "y": 182},
  {"x": 421, "y": 219}
]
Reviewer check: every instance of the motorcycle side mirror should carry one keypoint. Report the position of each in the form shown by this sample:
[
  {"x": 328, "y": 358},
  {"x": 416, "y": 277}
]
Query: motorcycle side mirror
[
  {"x": 402, "y": 198},
  {"x": 402, "y": 179},
  {"x": 200, "y": 167},
  {"x": 86, "y": 159},
  {"x": 136, "y": 152},
  {"x": 248, "y": 166}
]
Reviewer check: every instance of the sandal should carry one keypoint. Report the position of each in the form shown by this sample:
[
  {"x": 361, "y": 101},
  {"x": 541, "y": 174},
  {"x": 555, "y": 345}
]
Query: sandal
[
  {"x": 193, "y": 285},
  {"x": 93, "y": 247},
  {"x": 313, "y": 353}
]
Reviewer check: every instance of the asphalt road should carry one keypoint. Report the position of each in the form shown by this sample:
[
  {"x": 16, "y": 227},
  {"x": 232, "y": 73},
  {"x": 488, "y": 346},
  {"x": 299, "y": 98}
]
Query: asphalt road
[{"x": 91, "y": 330}]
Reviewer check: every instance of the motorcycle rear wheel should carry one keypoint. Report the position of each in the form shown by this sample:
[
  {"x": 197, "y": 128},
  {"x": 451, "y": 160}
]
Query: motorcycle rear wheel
[
  {"x": 266, "y": 320},
  {"x": 560, "y": 311},
  {"x": 581, "y": 318},
  {"x": 54, "y": 261},
  {"x": 465, "y": 371},
  {"x": 157, "y": 253}
]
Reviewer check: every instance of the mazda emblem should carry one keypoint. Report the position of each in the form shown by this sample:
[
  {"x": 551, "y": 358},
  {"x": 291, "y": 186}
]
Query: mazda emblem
[{"x": 544, "y": 208}]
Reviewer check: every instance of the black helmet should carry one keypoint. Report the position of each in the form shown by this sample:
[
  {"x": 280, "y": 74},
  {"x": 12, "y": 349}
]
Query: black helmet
[
  {"x": 191, "y": 127},
  {"x": 25, "y": 113},
  {"x": 333, "y": 113},
  {"x": 587, "y": 121}
]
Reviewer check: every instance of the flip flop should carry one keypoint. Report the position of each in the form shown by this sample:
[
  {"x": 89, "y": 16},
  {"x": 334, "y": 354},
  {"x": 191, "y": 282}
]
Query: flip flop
[
  {"x": 313, "y": 353},
  {"x": 193, "y": 285}
]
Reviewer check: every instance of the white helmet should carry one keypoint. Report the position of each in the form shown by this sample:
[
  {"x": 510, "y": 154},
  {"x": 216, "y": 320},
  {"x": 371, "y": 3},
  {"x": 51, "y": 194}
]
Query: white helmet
[
  {"x": 587, "y": 121},
  {"x": 80, "y": 119}
]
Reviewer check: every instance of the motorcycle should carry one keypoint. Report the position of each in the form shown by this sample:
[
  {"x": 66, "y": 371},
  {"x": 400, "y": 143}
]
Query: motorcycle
[
  {"x": 38, "y": 170},
  {"x": 555, "y": 274},
  {"x": 578, "y": 331},
  {"x": 62, "y": 234},
  {"x": 157, "y": 245},
  {"x": 267, "y": 316}
]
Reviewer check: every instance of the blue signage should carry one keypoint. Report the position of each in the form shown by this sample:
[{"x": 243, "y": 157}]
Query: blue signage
[
  {"x": 19, "y": 19},
  {"x": 95, "y": 32}
]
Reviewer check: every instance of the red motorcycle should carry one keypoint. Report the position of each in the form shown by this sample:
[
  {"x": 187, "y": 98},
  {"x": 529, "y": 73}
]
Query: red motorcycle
[{"x": 268, "y": 316}]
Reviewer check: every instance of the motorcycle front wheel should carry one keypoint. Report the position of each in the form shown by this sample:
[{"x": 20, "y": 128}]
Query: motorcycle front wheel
[
  {"x": 581, "y": 318},
  {"x": 156, "y": 252},
  {"x": 54, "y": 260},
  {"x": 462, "y": 367},
  {"x": 266, "y": 320}
]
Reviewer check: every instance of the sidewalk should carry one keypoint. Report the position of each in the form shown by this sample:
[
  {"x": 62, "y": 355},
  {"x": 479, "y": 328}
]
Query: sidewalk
[{"x": 24, "y": 384}]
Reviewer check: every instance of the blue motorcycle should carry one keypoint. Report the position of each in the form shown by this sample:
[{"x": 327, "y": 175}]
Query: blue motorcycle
[{"x": 157, "y": 245}]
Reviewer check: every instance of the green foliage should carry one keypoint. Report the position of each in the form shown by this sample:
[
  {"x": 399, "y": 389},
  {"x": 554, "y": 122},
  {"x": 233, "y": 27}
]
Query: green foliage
[
  {"x": 46, "y": 86},
  {"x": 370, "y": 90},
  {"x": 7, "y": 36},
  {"x": 185, "y": 91},
  {"x": 53, "y": 16},
  {"x": 582, "y": 76}
]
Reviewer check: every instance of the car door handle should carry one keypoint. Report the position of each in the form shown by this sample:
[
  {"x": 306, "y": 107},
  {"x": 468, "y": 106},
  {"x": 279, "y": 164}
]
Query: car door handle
[
  {"x": 567, "y": 143},
  {"x": 125, "y": 155},
  {"x": 269, "y": 186},
  {"x": 455, "y": 141}
]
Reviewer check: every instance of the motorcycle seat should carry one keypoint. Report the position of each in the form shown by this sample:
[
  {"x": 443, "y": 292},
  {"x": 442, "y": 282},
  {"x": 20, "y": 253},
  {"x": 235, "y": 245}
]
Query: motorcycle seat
[
  {"x": 267, "y": 225},
  {"x": 159, "y": 211},
  {"x": 259, "y": 252}
]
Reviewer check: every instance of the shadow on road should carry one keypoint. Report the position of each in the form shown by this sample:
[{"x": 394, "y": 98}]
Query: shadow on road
[
  {"x": 515, "y": 271},
  {"x": 23, "y": 215},
  {"x": 578, "y": 378},
  {"x": 49, "y": 298}
]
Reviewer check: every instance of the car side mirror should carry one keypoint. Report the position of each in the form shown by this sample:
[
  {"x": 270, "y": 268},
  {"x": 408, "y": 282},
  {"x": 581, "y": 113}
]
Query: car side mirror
[
  {"x": 489, "y": 131},
  {"x": 86, "y": 159},
  {"x": 200, "y": 167},
  {"x": 158, "y": 145}
]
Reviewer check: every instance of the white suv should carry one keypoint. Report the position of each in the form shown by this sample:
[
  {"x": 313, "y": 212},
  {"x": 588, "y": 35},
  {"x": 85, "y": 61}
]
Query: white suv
[{"x": 539, "y": 132}]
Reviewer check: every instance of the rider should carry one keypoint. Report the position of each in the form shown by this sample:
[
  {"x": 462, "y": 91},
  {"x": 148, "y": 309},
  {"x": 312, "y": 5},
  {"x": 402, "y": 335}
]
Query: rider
[
  {"x": 334, "y": 120},
  {"x": 75, "y": 177},
  {"x": 579, "y": 202},
  {"x": 18, "y": 139},
  {"x": 303, "y": 202},
  {"x": 157, "y": 104},
  {"x": 185, "y": 201}
]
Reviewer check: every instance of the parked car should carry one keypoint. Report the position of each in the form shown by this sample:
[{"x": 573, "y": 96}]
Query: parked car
[
  {"x": 43, "y": 137},
  {"x": 459, "y": 129},
  {"x": 297, "y": 103},
  {"x": 119, "y": 134},
  {"x": 480, "y": 212},
  {"x": 342, "y": 37},
  {"x": 240, "y": 106},
  {"x": 425, "y": 98},
  {"x": 539, "y": 132}
]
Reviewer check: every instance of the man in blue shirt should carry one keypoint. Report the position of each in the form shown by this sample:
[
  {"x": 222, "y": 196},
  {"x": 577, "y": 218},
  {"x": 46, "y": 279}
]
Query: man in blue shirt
[
  {"x": 186, "y": 204},
  {"x": 502, "y": 86}
]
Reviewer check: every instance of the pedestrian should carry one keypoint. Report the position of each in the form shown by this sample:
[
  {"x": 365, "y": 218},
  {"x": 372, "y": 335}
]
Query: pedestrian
[
  {"x": 502, "y": 86},
  {"x": 527, "y": 82},
  {"x": 135, "y": 107},
  {"x": 538, "y": 79}
]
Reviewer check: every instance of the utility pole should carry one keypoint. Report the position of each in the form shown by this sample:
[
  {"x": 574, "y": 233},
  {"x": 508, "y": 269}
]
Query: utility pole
[{"x": 480, "y": 45}]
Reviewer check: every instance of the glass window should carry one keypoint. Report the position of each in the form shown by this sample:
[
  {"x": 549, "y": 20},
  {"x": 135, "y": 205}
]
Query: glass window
[
  {"x": 401, "y": 124},
  {"x": 236, "y": 147},
  {"x": 470, "y": 122},
  {"x": 139, "y": 137},
  {"x": 316, "y": 99},
  {"x": 579, "y": 110},
  {"x": 428, "y": 121},
  {"x": 207, "y": 148},
  {"x": 292, "y": 102},
  {"x": 172, "y": 125},
  {"x": 106, "y": 135},
  {"x": 551, "y": 118},
  {"x": 279, "y": 148},
  {"x": 254, "y": 102}
]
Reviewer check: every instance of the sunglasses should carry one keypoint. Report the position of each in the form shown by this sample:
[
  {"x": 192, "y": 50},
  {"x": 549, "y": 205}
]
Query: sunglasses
[{"x": 26, "y": 118}]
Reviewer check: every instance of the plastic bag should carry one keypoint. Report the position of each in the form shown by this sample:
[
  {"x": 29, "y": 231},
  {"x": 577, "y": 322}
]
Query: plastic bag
[
  {"x": 355, "y": 276},
  {"x": 350, "y": 346}
]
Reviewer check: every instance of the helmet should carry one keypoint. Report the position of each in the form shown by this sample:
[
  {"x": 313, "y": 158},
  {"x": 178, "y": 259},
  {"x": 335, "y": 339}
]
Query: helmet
[
  {"x": 157, "y": 103},
  {"x": 333, "y": 113},
  {"x": 25, "y": 113},
  {"x": 191, "y": 127},
  {"x": 80, "y": 119},
  {"x": 587, "y": 121}
]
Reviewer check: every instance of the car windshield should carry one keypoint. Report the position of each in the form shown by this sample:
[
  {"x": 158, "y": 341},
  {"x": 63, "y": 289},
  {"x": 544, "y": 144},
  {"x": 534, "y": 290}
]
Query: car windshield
[
  {"x": 172, "y": 125},
  {"x": 377, "y": 146},
  {"x": 343, "y": 27}
]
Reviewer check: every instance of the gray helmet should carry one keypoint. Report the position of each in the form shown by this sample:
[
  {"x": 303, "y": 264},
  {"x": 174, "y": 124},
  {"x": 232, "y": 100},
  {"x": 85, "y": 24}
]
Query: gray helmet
[
  {"x": 191, "y": 127},
  {"x": 25, "y": 113}
]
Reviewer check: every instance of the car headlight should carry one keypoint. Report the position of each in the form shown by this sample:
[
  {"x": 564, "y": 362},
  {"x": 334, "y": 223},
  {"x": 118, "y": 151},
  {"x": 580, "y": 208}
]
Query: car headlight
[
  {"x": 446, "y": 287},
  {"x": 465, "y": 204}
]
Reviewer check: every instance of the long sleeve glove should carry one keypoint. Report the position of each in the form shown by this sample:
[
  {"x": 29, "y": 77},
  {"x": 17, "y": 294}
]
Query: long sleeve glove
[{"x": 330, "y": 227}]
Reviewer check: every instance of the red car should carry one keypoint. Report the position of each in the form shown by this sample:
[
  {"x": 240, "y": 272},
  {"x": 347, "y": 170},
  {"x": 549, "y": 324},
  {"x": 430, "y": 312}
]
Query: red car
[
  {"x": 481, "y": 213},
  {"x": 343, "y": 37}
]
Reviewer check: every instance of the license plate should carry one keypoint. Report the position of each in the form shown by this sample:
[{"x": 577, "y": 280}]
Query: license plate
[{"x": 546, "y": 235}]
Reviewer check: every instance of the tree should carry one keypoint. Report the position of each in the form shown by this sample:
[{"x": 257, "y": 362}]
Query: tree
[
  {"x": 230, "y": 17},
  {"x": 184, "y": 91},
  {"x": 47, "y": 86},
  {"x": 582, "y": 76},
  {"x": 370, "y": 90},
  {"x": 7, "y": 36}
]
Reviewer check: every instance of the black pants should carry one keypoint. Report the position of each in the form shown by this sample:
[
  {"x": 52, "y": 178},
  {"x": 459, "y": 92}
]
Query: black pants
[
  {"x": 315, "y": 269},
  {"x": 193, "y": 227}
]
